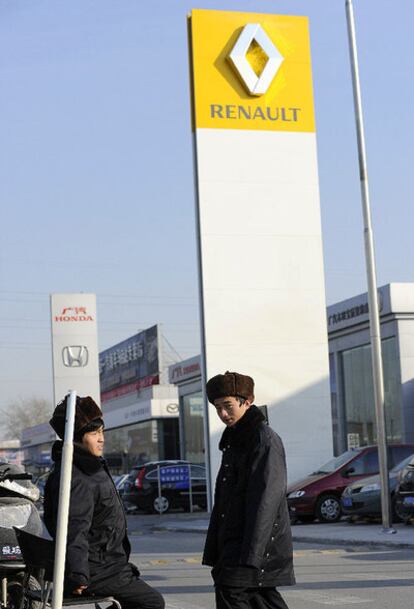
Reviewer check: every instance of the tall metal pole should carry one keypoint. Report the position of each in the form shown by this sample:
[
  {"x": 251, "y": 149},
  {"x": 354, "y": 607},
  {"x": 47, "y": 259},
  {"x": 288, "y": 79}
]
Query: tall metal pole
[
  {"x": 374, "y": 320},
  {"x": 64, "y": 499}
]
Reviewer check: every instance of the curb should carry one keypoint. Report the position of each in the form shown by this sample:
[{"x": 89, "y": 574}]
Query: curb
[
  {"x": 375, "y": 543},
  {"x": 178, "y": 529},
  {"x": 354, "y": 542}
]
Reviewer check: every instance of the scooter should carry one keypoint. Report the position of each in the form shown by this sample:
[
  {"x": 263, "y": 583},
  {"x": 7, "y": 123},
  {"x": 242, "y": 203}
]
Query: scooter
[{"x": 17, "y": 509}]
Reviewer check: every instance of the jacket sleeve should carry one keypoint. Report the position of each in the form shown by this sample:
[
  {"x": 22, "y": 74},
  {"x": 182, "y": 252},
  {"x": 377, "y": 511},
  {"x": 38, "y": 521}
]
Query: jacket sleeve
[
  {"x": 210, "y": 546},
  {"x": 266, "y": 490},
  {"x": 49, "y": 516},
  {"x": 80, "y": 520}
]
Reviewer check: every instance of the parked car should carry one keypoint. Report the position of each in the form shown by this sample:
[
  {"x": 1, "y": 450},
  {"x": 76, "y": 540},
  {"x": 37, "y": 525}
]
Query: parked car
[
  {"x": 120, "y": 481},
  {"x": 319, "y": 494},
  {"x": 363, "y": 497},
  {"x": 404, "y": 493},
  {"x": 158, "y": 486}
]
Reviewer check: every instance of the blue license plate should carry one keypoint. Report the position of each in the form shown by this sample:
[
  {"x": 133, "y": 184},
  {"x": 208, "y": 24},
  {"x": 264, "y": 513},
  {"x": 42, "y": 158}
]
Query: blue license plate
[
  {"x": 347, "y": 502},
  {"x": 408, "y": 500}
]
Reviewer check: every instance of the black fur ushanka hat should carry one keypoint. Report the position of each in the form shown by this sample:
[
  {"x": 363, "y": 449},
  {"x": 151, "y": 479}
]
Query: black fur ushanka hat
[
  {"x": 230, "y": 384},
  {"x": 86, "y": 411}
]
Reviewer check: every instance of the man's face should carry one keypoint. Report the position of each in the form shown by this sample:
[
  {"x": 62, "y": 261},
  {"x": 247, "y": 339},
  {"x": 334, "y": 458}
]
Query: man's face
[
  {"x": 230, "y": 410},
  {"x": 93, "y": 442}
]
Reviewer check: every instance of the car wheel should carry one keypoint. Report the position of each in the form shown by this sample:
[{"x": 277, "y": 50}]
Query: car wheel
[
  {"x": 397, "y": 514},
  {"x": 161, "y": 504},
  {"x": 328, "y": 508}
]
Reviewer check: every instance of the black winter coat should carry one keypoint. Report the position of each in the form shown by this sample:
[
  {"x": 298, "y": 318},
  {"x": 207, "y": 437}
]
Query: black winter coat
[
  {"x": 249, "y": 539},
  {"x": 97, "y": 544}
]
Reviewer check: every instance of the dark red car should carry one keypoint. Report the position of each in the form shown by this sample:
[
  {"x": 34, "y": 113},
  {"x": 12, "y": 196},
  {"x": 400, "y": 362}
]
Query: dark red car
[{"x": 319, "y": 494}]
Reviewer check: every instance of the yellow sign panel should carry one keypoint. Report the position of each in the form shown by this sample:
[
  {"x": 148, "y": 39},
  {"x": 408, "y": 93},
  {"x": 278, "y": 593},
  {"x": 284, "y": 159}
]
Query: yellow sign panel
[{"x": 251, "y": 71}]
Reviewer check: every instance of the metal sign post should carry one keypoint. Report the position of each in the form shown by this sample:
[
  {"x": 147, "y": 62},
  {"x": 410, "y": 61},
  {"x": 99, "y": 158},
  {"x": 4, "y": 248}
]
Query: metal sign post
[
  {"x": 64, "y": 500},
  {"x": 190, "y": 489},
  {"x": 374, "y": 320},
  {"x": 159, "y": 489}
]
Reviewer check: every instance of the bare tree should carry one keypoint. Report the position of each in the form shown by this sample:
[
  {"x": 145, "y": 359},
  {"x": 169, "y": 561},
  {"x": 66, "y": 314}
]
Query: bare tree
[{"x": 24, "y": 412}]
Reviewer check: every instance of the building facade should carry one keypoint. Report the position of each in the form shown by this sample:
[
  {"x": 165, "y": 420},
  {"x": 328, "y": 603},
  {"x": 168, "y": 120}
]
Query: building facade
[
  {"x": 352, "y": 397},
  {"x": 140, "y": 427},
  {"x": 11, "y": 452},
  {"x": 36, "y": 444},
  {"x": 140, "y": 408},
  {"x": 352, "y": 394},
  {"x": 186, "y": 375}
]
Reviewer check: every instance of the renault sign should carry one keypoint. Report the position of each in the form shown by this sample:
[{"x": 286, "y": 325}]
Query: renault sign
[{"x": 261, "y": 280}]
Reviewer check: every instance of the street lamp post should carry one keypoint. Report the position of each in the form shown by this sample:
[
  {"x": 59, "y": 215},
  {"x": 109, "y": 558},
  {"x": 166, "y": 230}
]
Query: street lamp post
[{"x": 374, "y": 320}]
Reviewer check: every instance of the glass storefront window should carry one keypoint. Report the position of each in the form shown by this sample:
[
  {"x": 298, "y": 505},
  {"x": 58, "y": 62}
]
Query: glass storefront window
[
  {"x": 359, "y": 393},
  {"x": 193, "y": 428},
  {"x": 334, "y": 405},
  {"x": 132, "y": 445},
  {"x": 139, "y": 443}
]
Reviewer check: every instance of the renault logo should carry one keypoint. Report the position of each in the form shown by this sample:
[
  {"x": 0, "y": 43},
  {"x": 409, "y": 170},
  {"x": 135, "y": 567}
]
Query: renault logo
[
  {"x": 255, "y": 43},
  {"x": 75, "y": 356}
]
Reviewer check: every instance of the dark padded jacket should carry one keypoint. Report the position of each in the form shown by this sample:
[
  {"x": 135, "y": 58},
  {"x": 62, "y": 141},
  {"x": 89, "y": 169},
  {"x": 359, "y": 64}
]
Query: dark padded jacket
[
  {"x": 249, "y": 539},
  {"x": 97, "y": 543}
]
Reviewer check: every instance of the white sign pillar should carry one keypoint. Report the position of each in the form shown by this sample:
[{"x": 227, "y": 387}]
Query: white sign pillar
[
  {"x": 259, "y": 231},
  {"x": 75, "y": 345}
]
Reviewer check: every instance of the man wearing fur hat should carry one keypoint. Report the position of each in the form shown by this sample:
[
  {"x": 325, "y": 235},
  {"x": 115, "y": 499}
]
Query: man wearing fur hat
[
  {"x": 249, "y": 541},
  {"x": 98, "y": 549}
]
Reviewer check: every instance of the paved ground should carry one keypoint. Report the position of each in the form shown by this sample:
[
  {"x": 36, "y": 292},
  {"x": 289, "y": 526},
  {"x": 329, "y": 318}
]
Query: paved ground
[
  {"x": 347, "y": 576},
  {"x": 336, "y": 576},
  {"x": 340, "y": 533}
]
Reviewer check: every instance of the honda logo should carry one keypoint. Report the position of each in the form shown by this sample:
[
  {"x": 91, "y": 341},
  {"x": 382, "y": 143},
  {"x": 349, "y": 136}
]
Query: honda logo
[{"x": 75, "y": 356}]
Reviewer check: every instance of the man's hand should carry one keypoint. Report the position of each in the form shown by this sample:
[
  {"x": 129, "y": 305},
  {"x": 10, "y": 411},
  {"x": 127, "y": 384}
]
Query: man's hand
[{"x": 79, "y": 590}]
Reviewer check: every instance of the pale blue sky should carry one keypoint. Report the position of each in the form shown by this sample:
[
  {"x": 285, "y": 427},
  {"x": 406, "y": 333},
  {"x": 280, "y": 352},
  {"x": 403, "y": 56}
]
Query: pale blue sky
[{"x": 96, "y": 183}]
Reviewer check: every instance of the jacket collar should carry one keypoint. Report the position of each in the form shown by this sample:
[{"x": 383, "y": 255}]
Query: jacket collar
[
  {"x": 86, "y": 462},
  {"x": 239, "y": 433}
]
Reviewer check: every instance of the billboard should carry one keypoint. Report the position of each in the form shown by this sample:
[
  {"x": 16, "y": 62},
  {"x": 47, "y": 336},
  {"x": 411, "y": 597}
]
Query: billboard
[
  {"x": 130, "y": 365},
  {"x": 261, "y": 280},
  {"x": 185, "y": 370},
  {"x": 75, "y": 345}
]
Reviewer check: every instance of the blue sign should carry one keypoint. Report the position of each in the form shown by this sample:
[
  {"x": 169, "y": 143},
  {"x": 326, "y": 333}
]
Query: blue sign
[{"x": 175, "y": 476}]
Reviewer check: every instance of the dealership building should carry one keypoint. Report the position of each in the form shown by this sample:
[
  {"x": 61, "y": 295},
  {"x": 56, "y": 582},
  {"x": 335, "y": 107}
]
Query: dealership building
[
  {"x": 352, "y": 394},
  {"x": 186, "y": 375},
  {"x": 140, "y": 408},
  {"x": 149, "y": 416},
  {"x": 352, "y": 397}
]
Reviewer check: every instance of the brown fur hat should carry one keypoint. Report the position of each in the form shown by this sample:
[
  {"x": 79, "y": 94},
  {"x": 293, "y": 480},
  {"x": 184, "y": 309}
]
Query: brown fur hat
[
  {"x": 86, "y": 412},
  {"x": 230, "y": 384}
]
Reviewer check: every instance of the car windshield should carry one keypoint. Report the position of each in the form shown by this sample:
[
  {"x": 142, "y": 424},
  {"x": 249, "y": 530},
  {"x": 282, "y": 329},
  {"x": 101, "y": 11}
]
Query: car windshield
[
  {"x": 336, "y": 462},
  {"x": 402, "y": 464}
]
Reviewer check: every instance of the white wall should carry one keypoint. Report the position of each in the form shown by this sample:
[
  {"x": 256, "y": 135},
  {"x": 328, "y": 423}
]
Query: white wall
[{"x": 262, "y": 284}]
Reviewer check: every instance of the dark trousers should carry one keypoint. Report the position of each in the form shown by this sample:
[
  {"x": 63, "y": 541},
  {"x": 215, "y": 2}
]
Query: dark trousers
[
  {"x": 129, "y": 590},
  {"x": 229, "y": 597}
]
